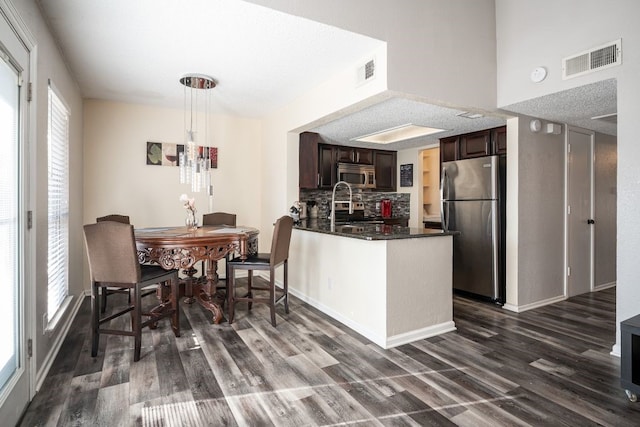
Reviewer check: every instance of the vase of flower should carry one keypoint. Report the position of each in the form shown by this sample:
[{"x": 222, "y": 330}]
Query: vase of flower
[
  {"x": 191, "y": 221},
  {"x": 190, "y": 205}
]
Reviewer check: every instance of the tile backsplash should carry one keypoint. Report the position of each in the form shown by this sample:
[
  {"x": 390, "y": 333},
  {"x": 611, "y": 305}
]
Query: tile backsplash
[{"x": 400, "y": 202}]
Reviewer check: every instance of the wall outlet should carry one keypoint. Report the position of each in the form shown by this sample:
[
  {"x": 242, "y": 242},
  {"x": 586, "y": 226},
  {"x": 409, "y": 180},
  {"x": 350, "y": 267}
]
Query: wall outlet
[{"x": 329, "y": 283}]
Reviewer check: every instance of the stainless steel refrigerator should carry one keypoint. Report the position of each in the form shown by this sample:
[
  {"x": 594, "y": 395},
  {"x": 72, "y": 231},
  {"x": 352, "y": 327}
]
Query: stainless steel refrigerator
[{"x": 473, "y": 203}]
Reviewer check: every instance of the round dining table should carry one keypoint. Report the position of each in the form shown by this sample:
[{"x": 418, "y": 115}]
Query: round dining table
[{"x": 181, "y": 248}]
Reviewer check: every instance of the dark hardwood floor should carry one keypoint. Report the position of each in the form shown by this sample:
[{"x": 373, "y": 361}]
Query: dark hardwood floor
[{"x": 545, "y": 367}]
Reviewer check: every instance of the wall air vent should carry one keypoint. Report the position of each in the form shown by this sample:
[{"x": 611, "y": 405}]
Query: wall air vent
[
  {"x": 592, "y": 60},
  {"x": 366, "y": 72}
]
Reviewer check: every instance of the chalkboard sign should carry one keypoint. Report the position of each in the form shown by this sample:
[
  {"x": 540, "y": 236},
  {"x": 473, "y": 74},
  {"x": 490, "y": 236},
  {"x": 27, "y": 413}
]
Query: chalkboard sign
[{"x": 406, "y": 175}]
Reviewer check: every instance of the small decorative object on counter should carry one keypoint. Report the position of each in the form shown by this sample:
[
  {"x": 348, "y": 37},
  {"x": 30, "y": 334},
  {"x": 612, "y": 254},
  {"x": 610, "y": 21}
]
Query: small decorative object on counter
[
  {"x": 302, "y": 210},
  {"x": 294, "y": 211},
  {"x": 385, "y": 207},
  {"x": 190, "y": 205},
  {"x": 313, "y": 209}
]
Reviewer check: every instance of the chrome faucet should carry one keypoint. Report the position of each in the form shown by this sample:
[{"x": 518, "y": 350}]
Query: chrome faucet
[{"x": 332, "y": 215}]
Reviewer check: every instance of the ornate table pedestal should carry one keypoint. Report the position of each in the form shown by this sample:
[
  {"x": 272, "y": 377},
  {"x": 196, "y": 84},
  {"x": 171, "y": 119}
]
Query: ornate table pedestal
[{"x": 180, "y": 248}]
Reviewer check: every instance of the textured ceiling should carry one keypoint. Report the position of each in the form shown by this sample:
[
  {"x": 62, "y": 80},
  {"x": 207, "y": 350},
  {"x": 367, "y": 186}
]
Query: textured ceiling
[
  {"x": 136, "y": 51},
  {"x": 401, "y": 111},
  {"x": 576, "y": 106}
]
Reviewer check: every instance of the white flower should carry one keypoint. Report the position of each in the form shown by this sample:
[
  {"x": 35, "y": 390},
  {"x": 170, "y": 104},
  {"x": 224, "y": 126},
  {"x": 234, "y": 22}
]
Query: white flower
[{"x": 189, "y": 204}]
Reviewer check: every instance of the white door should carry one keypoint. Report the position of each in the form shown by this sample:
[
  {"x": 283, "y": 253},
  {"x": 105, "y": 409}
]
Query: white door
[
  {"x": 579, "y": 211},
  {"x": 15, "y": 363}
]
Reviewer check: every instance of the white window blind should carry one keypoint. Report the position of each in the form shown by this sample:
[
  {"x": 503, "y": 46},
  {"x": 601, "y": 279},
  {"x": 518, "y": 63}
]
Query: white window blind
[{"x": 58, "y": 211}]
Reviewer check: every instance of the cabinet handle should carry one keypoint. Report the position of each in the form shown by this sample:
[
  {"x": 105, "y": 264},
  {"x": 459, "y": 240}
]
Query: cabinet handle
[
  {"x": 358, "y": 157},
  {"x": 318, "y": 181}
]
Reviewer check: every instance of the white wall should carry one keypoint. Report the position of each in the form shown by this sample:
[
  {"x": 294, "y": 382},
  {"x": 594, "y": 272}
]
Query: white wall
[
  {"x": 426, "y": 55},
  {"x": 443, "y": 51},
  {"x": 281, "y": 134},
  {"x": 605, "y": 201},
  {"x": 540, "y": 217},
  {"x": 541, "y": 33},
  {"x": 118, "y": 180},
  {"x": 50, "y": 66}
]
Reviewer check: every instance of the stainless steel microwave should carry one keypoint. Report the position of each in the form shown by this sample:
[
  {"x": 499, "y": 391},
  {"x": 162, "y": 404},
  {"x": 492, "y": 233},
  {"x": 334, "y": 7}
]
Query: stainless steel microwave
[{"x": 358, "y": 176}]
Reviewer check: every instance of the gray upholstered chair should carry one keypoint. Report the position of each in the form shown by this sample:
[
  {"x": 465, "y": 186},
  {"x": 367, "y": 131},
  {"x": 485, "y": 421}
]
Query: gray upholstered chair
[
  {"x": 279, "y": 255},
  {"x": 219, "y": 218},
  {"x": 113, "y": 260},
  {"x": 105, "y": 291}
]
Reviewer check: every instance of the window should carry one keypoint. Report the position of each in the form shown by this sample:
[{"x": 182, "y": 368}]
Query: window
[{"x": 58, "y": 211}]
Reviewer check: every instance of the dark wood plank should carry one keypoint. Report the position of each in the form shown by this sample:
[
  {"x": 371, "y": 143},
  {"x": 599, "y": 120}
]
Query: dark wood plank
[{"x": 548, "y": 366}]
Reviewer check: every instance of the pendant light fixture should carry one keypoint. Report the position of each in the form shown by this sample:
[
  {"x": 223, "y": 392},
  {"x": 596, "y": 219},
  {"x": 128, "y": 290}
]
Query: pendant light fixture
[{"x": 194, "y": 161}]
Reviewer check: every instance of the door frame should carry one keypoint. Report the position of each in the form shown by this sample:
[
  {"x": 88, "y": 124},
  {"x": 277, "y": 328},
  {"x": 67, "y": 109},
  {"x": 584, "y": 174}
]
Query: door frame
[
  {"x": 567, "y": 243},
  {"x": 10, "y": 14}
]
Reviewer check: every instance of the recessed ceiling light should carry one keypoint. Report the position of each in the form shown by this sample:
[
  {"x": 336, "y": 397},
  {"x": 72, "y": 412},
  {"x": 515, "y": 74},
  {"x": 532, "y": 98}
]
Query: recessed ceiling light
[
  {"x": 398, "y": 133},
  {"x": 469, "y": 115}
]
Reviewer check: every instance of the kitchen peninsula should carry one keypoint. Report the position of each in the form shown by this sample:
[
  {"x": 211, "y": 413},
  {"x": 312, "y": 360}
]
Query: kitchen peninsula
[{"x": 391, "y": 284}]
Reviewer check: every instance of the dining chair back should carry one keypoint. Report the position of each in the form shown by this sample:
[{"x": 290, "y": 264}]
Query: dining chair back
[
  {"x": 113, "y": 260},
  {"x": 219, "y": 218},
  {"x": 278, "y": 256},
  {"x": 105, "y": 291},
  {"x": 124, "y": 219}
]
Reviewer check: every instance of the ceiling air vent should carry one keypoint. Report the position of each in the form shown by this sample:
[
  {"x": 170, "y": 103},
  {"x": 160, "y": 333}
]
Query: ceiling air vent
[
  {"x": 366, "y": 72},
  {"x": 592, "y": 60}
]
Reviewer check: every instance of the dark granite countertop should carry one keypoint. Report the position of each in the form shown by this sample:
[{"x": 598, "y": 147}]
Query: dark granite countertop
[{"x": 369, "y": 231}]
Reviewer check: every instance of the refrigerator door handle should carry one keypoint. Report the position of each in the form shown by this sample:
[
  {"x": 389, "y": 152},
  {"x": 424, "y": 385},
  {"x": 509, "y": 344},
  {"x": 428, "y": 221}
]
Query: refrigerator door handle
[
  {"x": 495, "y": 245},
  {"x": 443, "y": 216}
]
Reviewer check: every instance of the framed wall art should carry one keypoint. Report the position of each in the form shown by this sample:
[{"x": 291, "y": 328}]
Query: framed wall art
[{"x": 168, "y": 154}]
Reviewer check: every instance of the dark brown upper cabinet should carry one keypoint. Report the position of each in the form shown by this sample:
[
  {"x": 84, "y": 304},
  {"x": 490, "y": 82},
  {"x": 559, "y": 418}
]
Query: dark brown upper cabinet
[
  {"x": 361, "y": 156},
  {"x": 308, "y": 160},
  {"x": 476, "y": 144},
  {"x": 328, "y": 171},
  {"x": 385, "y": 166},
  {"x": 499, "y": 140},
  {"x": 316, "y": 162},
  {"x": 449, "y": 149}
]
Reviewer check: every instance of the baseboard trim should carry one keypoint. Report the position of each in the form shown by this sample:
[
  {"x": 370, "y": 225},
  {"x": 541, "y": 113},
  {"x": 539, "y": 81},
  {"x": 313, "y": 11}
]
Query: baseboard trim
[
  {"x": 420, "y": 334},
  {"x": 604, "y": 286},
  {"x": 537, "y": 304},
  {"x": 380, "y": 340},
  {"x": 41, "y": 375},
  {"x": 365, "y": 332}
]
